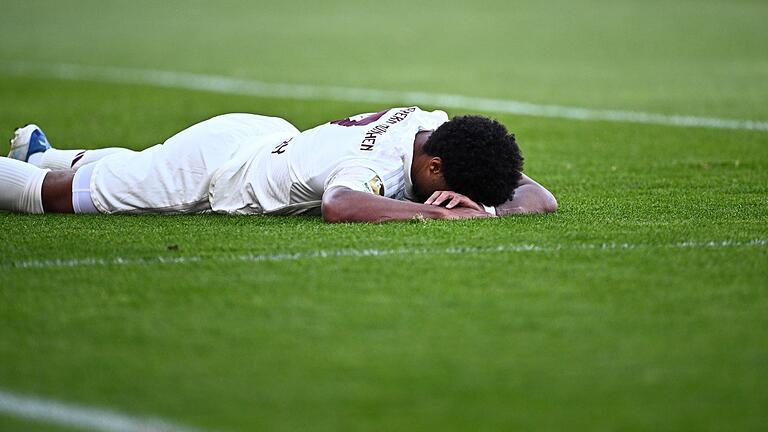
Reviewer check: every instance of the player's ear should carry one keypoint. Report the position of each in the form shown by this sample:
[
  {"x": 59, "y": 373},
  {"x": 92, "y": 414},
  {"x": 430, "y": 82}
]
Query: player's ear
[{"x": 435, "y": 166}]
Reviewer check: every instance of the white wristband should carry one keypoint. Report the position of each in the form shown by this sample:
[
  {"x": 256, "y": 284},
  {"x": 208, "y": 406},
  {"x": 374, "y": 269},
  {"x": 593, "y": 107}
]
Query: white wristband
[{"x": 491, "y": 210}]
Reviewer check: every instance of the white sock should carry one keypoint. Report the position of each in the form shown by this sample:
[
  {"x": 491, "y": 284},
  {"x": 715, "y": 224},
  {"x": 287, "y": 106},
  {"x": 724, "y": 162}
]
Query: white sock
[
  {"x": 57, "y": 159},
  {"x": 92, "y": 156},
  {"x": 74, "y": 159},
  {"x": 36, "y": 159},
  {"x": 21, "y": 186}
]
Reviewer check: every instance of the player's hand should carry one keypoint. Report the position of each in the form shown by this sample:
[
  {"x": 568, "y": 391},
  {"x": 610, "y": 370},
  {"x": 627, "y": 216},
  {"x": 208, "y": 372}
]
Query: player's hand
[{"x": 453, "y": 200}]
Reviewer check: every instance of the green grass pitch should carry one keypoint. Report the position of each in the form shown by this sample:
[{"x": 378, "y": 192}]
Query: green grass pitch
[{"x": 642, "y": 304}]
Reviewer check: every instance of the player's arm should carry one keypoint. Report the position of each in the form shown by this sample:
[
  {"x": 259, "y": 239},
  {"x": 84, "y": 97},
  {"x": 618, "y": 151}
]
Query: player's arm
[
  {"x": 530, "y": 197},
  {"x": 342, "y": 204}
]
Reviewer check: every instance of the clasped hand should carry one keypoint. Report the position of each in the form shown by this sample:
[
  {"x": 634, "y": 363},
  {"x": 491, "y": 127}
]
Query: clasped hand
[{"x": 459, "y": 206}]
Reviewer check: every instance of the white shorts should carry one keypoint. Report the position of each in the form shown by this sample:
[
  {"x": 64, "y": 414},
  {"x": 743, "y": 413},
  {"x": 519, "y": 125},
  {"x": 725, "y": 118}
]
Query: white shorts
[{"x": 173, "y": 177}]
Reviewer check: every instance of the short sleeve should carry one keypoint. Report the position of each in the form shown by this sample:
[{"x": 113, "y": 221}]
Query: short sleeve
[{"x": 356, "y": 175}]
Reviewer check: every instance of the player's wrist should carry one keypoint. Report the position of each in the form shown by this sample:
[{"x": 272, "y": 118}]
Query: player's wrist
[
  {"x": 491, "y": 210},
  {"x": 437, "y": 212}
]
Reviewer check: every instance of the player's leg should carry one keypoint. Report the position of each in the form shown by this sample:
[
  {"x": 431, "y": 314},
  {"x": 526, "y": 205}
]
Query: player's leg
[
  {"x": 34, "y": 188},
  {"x": 30, "y": 144},
  {"x": 175, "y": 177},
  {"x": 26, "y": 188},
  {"x": 75, "y": 159},
  {"x": 57, "y": 194},
  {"x": 169, "y": 178}
]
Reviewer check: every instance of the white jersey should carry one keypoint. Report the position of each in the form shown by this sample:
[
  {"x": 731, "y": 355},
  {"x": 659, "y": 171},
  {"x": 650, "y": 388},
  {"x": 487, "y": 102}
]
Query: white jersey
[{"x": 288, "y": 174}]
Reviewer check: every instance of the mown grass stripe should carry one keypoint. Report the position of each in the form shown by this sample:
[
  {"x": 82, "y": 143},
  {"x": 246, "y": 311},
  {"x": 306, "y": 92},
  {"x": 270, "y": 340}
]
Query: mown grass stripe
[
  {"x": 238, "y": 86},
  {"x": 358, "y": 253}
]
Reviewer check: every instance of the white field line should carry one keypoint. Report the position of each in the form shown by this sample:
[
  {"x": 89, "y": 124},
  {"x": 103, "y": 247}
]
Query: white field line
[
  {"x": 238, "y": 86},
  {"x": 343, "y": 253},
  {"x": 81, "y": 417}
]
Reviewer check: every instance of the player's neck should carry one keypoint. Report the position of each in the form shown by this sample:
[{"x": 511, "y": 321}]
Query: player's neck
[
  {"x": 420, "y": 139},
  {"x": 419, "y": 156}
]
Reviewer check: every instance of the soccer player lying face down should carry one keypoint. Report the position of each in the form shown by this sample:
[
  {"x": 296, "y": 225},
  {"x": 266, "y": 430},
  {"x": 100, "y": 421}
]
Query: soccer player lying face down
[{"x": 471, "y": 155}]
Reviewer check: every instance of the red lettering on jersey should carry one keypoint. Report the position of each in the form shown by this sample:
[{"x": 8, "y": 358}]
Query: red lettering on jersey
[
  {"x": 280, "y": 149},
  {"x": 362, "y": 122},
  {"x": 370, "y": 137}
]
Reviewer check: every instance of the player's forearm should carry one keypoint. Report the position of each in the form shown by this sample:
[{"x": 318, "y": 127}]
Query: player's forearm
[
  {"x": 346, "y": 205},
  {"x": 529, "y": 198}
]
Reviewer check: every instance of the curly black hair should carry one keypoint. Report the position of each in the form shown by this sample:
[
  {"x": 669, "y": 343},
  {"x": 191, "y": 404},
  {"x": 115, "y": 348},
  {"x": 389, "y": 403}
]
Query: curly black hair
[{"x": 480, "y": 158}]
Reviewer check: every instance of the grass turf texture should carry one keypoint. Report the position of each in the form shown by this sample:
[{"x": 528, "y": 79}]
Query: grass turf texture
[{"x": 654, "y": 337}]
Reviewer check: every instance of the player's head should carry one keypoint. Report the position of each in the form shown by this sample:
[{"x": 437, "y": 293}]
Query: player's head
[{"x": 474, "y": 156}]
